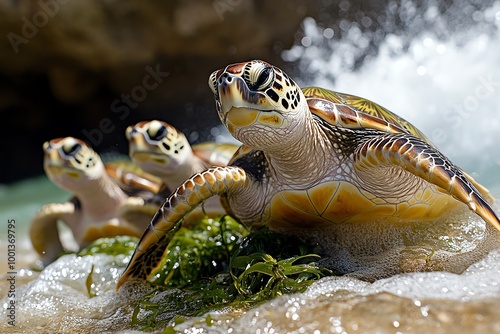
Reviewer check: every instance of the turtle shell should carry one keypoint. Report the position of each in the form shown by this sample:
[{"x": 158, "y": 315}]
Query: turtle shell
[{"x": 363, "y": 105}]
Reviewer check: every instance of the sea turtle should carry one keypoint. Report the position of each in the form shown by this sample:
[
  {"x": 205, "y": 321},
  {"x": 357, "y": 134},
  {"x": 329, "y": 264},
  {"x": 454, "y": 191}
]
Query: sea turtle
[
  {"x": 310, "y": 160},
  {"x": 160, "y": 149},
  {"x": 108, "y": 200}
]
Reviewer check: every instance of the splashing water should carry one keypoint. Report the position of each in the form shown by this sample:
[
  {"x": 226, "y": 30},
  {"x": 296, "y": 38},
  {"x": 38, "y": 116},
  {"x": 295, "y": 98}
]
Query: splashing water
[{"x": 449, "y": 88}]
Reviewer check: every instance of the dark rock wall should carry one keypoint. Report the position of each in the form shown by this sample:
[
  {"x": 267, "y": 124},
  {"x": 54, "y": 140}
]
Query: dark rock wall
[{"x": 91, "y": 68}]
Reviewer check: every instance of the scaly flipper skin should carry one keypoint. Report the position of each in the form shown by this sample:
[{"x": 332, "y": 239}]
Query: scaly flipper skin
[
  {"x": 168, "y": 219},
  {"x": 44, "y": 233},
  {"x": 422, "y": 160},
  {"x": 482, "y": 189}
]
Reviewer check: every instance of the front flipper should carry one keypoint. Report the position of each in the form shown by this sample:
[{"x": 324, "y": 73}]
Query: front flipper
[
  {"x": 168, "y": 219},
  {"x": 482, "y": 189},
  {"x": 44, "y": 233},
  {"x": 419, "y": 158}
]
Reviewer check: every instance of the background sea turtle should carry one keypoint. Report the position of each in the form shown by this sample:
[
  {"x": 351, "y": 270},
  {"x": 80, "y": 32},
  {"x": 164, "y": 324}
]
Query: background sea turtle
[
  {"x": 109, "y": 200},
  {"x": 312, "y": 162},
  {"x": 160, "y": 149}
]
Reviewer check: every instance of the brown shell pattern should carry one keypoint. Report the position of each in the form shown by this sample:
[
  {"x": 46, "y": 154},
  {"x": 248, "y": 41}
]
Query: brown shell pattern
[{"x": 366, "y": 106}]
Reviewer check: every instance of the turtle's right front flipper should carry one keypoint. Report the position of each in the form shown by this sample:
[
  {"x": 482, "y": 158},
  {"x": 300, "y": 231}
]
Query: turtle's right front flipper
[{"x": 168, "y": 219}]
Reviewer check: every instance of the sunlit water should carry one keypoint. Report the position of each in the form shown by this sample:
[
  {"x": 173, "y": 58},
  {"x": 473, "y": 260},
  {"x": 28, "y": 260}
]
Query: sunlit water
[{"x": 449, "y": 90}]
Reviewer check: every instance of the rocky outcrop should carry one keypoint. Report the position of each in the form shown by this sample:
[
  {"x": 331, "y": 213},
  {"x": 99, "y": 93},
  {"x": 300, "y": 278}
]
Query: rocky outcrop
[{"x": 71, "y": 67}]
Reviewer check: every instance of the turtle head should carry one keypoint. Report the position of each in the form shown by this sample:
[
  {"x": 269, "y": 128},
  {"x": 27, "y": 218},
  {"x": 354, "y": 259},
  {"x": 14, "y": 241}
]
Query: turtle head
[
  {"x": 69, "y": 162},
  {"x": 259, "y": 104},
  {"x": 157, "y": 147}
]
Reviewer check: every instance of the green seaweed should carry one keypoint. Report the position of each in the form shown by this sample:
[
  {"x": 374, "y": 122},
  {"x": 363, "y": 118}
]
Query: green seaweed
[
  {"x": 264, "y": 265},
  {"x": 216, "y": 264},
  {"x": 89, "y": 283},
  {"x": 200, "y": 250},
  {"x": 119, "y": 245}
]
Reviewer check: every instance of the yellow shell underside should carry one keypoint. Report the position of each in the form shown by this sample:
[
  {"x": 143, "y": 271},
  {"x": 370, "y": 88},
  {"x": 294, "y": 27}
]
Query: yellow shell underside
[{"x": 342, "y": 202}]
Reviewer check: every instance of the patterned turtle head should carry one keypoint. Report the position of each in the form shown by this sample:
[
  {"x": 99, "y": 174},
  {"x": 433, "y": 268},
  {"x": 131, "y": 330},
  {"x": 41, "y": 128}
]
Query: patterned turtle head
[
  {"x": 157, "y": 147},
  {"x": 258, "y": 103},
  {"x": 70, "y": 163}
]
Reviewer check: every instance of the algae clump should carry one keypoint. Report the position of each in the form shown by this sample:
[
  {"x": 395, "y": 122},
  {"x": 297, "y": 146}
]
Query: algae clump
[{"x": 217, "y": 264}]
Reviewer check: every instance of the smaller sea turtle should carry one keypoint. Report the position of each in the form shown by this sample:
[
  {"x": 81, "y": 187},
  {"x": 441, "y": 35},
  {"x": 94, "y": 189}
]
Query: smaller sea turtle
[
  {"x": 161, "y": 150},
  {"x": 311, "y": 160},
  {"x": 108, "y": 200}
]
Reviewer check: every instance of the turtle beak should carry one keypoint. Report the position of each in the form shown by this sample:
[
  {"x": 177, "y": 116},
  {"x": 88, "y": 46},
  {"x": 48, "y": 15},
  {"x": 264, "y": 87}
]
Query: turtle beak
[
  {"x": 230, "y": 96},
  {"x": 53, "y": 158},
  {"x": 130, "y": 132},
  {"x": 234, "y": 93}
]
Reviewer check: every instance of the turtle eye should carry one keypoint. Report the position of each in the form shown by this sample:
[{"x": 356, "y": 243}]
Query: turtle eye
[
  {"x": 266, "y": 77},
  {"x": 157, "y": 135},
  {"x": 71, "y": 150},
  {"x": 258, "y": 75}
]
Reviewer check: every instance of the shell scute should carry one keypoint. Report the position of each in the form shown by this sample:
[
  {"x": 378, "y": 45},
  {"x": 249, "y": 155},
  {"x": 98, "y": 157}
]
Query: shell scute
[
  {"x": 322, "y": 195},
  {"x": 299, "y": 200},
  {"x": 286, "y": 215},
  {"x": 347, "y": 203},
  {"x": 355, "y": 111}
]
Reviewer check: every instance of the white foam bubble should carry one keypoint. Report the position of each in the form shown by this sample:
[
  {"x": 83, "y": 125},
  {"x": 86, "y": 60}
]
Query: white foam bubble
[{"x": 58, "y": 300}]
